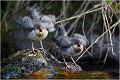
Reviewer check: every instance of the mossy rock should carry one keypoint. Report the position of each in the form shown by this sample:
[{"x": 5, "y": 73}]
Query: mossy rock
[{"x": 22, "y": 62}]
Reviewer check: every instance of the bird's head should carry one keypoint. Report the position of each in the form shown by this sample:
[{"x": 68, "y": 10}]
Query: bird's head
[
  {"x": 41, "y": 32},
  {"x": 80, "y": 38},
  {"x": 78, "y": 47}
]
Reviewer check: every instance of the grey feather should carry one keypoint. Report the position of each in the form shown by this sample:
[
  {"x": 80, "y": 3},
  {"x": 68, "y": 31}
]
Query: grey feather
[
  {"x": 61, "y": 30},
  {"x": 34, "y": 14},
  {"x": 47, "y": 18},
  {"x": 80, "y": 38},
  {"x": 26, "y": 22},
  {"x": 48, "y": 22},
  {"x": 63, "y": 41}
]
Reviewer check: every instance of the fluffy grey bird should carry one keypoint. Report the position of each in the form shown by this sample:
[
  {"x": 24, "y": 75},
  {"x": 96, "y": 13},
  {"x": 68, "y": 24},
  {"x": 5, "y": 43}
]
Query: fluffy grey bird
[
  {"x": 35, "y": 27},
  {"x": 70, "y": 46}
]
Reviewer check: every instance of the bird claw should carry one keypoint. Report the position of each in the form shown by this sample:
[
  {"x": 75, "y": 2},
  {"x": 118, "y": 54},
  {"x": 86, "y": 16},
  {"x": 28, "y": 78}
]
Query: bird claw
[
  {"x": 73, "y": 68},
  {"x": 44, "y": 53},
  {"x": 41, "y": 49},
  {"x": 78, "y": 67},
  {"x": 33, "y": 53},
  {"x": 68, "y": 67}
]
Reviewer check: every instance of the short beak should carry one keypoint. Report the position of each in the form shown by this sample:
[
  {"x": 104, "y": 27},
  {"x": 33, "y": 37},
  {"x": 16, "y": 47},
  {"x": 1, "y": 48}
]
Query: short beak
[{"x": 39, "y": 34}]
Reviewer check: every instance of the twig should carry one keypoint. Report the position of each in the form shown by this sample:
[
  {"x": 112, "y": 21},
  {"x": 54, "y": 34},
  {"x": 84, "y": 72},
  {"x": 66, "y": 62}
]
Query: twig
[
  {"x": 93, "y": 24},
  {"x": 45, "y": 6},
  {"x": 71, "y": 27},
  {"x": 78, "y": 11},
  {"x": 79, "y": 15},
  {"x": 101, "y": 48},
  {"x": 114, "y": 25},
  {"x": 66, "y": 7},
  {"x": 83, "y": 25}
]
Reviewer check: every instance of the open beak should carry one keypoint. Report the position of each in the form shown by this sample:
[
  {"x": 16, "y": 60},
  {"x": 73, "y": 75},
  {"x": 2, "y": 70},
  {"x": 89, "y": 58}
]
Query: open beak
[
  {"x": 78, "y": 45},
  {"x": 40, "y": 33}
]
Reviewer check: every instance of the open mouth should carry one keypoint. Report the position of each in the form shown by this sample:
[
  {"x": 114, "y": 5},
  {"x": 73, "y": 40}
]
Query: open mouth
[
  {"x": 78, "y": 45},
  {"x": 40, "y": 30},
  {"x": 39, "y": 34}
]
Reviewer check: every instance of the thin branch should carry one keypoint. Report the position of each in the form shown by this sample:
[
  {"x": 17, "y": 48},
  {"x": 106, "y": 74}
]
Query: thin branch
[
  {"x": 114, "y": 25},
  {"x": 45, "y": 6},
  {"x": 93, "y": 24},
  {"x": 79, "y": 15},
  {"x": 67, "y": 4},
  {"x": 72, "y": 26},
  {"x": 83, "y": 25}
]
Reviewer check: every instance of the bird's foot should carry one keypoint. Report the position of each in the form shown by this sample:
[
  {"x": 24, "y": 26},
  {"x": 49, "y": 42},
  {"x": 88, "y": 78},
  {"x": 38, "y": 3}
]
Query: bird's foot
[
  {"x": 78, "y": 67},
  {"x": 32, "y": 53},
  {"x": 41, "y": 49},
  {"x": 44, "y": 52},
  {"x": 68, "y": 67}
]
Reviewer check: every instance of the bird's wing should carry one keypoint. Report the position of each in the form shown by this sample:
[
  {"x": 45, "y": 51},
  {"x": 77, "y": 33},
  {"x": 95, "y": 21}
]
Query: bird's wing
[
  {"x": 49, "y": 22},
  {"x": 34, "y": 14},
  {"x": 63, "y": 41},
  {"x": 50, "y": 26},
  {"x": 81, "y": 38},
  {"x": 47, "y": 18},
  {"x": 26, "y": 22}
]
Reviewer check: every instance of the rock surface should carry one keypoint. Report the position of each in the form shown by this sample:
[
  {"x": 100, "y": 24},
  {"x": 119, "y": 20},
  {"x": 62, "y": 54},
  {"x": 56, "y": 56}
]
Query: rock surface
[{"x": 23, "y": 62}]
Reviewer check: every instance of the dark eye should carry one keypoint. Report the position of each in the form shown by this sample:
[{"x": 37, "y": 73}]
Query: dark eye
[
  {"x": 40, "y": 30},
  {"x": 76, "y": 42}
]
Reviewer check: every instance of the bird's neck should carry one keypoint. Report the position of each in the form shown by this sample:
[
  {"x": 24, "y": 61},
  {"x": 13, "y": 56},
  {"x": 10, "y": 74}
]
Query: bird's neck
[{"x": 62, "y": 32}]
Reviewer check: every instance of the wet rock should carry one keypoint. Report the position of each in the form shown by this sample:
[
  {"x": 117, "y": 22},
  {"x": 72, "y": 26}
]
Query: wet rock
[
  {"x": 22, "y": 66},
  {"x": 22, "y": 62}
]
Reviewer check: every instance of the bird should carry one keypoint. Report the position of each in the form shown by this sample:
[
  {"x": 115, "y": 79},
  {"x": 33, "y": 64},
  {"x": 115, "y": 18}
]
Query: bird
[
  {"x": 70, "y": 45},
  {"x": 36, "y": 26}
]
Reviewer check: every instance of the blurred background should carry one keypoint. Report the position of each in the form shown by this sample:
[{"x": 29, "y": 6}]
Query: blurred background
[{"x": 90, "y": 24}]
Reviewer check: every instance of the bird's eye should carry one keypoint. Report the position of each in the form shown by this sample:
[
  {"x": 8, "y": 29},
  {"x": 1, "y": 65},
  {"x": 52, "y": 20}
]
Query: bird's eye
[{"x": 40, "y": 30}]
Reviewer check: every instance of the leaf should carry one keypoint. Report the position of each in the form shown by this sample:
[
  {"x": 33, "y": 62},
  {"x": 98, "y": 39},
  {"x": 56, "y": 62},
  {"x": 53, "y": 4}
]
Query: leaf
[{"x": 109, "y": 1}]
